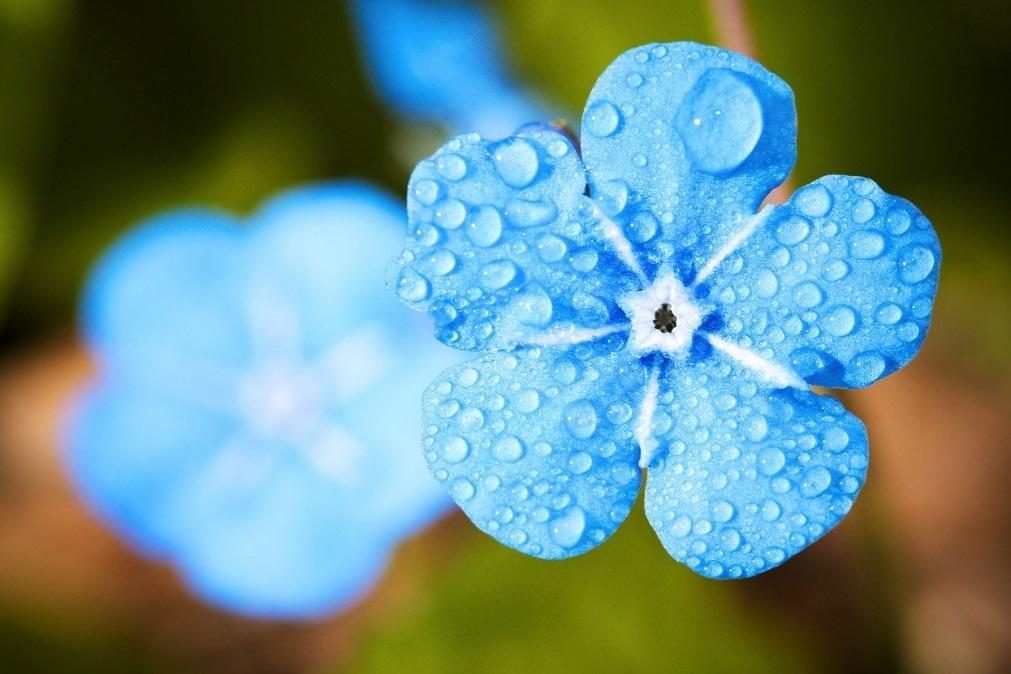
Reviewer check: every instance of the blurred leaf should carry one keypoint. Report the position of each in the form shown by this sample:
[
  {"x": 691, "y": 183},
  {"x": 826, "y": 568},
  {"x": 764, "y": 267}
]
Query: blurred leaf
[
  {"x": 563, "y": 47},
  {"x": 625, "y": 607}
]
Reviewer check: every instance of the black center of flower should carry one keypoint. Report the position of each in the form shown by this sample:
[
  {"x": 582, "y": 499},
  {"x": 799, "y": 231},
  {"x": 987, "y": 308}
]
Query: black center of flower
[{"x": 664, "y": 319}]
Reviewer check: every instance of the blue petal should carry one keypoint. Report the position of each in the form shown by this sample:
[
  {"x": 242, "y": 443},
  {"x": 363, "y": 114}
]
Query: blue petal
[
  {"x": 837, "y": 284},
  {"x": 537, "y": 445},
  {"x": 127, "y": 452},
  {"x": 297, "y": 548},
  {"x": 441, "y": 62},
  {"x": 503, "y": 247},
  {"x": 751, "y": 475},
  {"x": 167, "y": 297},
  {"x": 696, "y": 136}
]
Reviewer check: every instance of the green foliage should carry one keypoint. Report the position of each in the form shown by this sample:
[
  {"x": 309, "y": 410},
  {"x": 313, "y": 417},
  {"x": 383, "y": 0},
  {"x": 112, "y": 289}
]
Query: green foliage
[{"x": 625, "y": 607}]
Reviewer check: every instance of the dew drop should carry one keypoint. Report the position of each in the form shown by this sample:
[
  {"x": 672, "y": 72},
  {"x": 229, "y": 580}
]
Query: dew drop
[
  {"x": 792, "y": 230},
  {"x": 550, "y": 248},
  {"x": 835, "y": 270},
  {"x": 441, "y": 262},
  {"x": 866, "y": 367},
  {"x": 485, "y": 227},
  {"x": 427, "y": 191},
  {"x": 602, "y": 119},
  {"x": 450, "y": 214},
  {"x": 516, "y": 162},
  {"x": 867, "y": 244},
  {"x": 771, "y": 460},
  {"x": 462, "y": 489},
  {"x": 915, "y": 264},
  {"x": 888, "y": 314},
  {"x": 581, "y": 419},
  {"x": 813, "y": 201},
  {"x": 815, "y": 482},
  {"x": 580, "y": 462},
  {"x": 836, "y": 439},
  {"x": 451, "y": 166},
  {"x": 509, "y": 449},
  {"x": 527, "y": 213},
  {"x": 455, "y": 449},
  {"x": 863, "y": 211},
  {"x": 723, "y": 511},
  {"x": 681, "y": 526},
  {"x": 720, "y": 121},
  {"x": 808, "y": 295},
  {"x": 528, "y": 400},
  {"x": 771, "y": 510},
  {"x": 534, "y": 307},
  {"x": 567, "y": 530},
  {"x": 497, "y": 274},
  {"x": 766, "y": 284},
  {"x": 412, "y": 286},
  {"x": 840, "y": 321}
]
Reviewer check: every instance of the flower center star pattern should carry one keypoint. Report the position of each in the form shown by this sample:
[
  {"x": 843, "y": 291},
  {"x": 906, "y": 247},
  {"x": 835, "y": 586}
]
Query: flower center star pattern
[
  {"x": 241, "y": 424},
  {"x": 637, "y": 309}
]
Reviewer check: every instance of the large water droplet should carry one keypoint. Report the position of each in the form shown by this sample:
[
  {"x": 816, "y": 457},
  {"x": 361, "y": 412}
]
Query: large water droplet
[
  {"x": 792, "y": 230},
  {"x": 815, "y": 482},
  {"x": 455, "y": 449},
  {"x": 533, "y": 307},
  {"x": 720, "y": 121},
  {"x": 840, "y": 321},
  {"x": 567, "y": 530},
  {"x": 581, "y": 419},
  {"x": 580, "y": 462},
  {"x": 866, "y": 368},
  {"x": 526, "y": 213},
  {"x": 441, "y": 262},
  {"x": 915, "y": 264},
  {"x": 888, "y": 313},
  {"x": 723, "y": 511},
  {"x": 412, "y": 286},
  {"x": 836, "y": 439},
  {"x": 808, "y": 295},
  {"x": 450, "y": 214},
  {"x": 461, "y": 489},
  {"x": 509, "y": 448},
  {"x": 813, "y": 201},
  {"x": 602, "y": 119},
  {"x": 867, "y": 244},
  {"x": 516, "y": 162},
  {"x": 550, "y": 248},
  {"x": 835, "y": 270},
  {"x": 528, "y": 400},
  {"x": 427, "y": 191},
  {"x": 497, "y": 274},
  {"x": 485, "y": 227},
  {"x": 771, "y": 460},
  {"x": 766, "y": 284},
  {"x": 451, "y": 166},
  {"x": 771, "y": 510},
  {"x": 863, "y": 211}
]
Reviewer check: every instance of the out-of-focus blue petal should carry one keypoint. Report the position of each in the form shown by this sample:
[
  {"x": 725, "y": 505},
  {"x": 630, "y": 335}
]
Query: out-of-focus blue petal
[
  {"x": 537, "y": 445},
  {"x": 441, "y": 62},
  {"x": 502, "y": 246},
  {"x": 837, "y": 284},
  {"x": 750, "y": 475},
  {"x": 165, "y": 299},
  {"x": 127, "y": 451},
  {"x": 272, "y": 457},
  {"x": 693, "y": 137}
]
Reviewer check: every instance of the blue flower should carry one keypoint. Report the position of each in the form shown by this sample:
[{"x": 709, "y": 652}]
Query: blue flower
[
  {"x": 254, "y": 420},
  {"x": 441, "y": 62},
  {"x": 665, "y": 322}
]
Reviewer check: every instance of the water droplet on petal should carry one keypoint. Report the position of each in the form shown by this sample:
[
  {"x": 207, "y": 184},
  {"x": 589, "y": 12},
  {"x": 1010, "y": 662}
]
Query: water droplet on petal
[
  {"x": 602, "y": 119},
  {"x": 815, "y": 482},
  {"x": 550, "y": 248},
  {"x": 808, "y": 295},
  {"x": 497, "y": 274},
  {"x": 509, "y": 448},
  {"x": 580, "y": 462},
  {"x": 412, "y": 286},
  {"x": 461, "y": 489},
  {"x": 451, "y": 166},
  {"x": 455, "y": 449},
  {"x": 723, "y": 511},
  {"x": 813, "y": 201},
  {"x": 450, "y": 214},
  {"x": 516, "y": 162},
  {"x": 485, "y": 227},
  {"x": 771, "y": 460},
  {"x": 792, "y": 230},
  {"x": 441, "y": 262},
  {"x": 534, "y": 307},
  {"x": 867, "y": 244},
  {"x": 840, "y": 321},
  {"x": 567, "y": 530},
  {"x": 427, "y": 191},
  {"x": 766, "y": 284},
  {"x": 581, "y": 419},
  {"x": 915, "y": 264},
  {"x": 526, "y": 213},
  {"x": 720, "y": 121}
]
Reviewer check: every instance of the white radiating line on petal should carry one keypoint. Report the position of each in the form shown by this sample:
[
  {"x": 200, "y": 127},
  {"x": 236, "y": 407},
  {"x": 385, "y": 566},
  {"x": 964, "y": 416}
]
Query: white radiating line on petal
[
  {"x": 622, "y": 246},
  {"x": 644, "y": 425},
  {"x": 735, "y": 242},
  {"x": 572, "y": 335},
  {"x": 772, "y": 372}
]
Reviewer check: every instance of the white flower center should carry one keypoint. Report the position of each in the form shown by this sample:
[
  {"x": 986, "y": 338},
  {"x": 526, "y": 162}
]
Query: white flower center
[{"x": 664, "y": 316}]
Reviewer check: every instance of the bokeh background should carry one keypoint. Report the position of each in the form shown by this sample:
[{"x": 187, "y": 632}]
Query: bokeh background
[{"x": 112, "y": 110}]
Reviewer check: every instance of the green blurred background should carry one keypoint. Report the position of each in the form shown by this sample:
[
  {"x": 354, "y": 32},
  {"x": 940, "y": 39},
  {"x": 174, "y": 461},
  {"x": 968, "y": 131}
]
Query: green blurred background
[{"x": 113, "y": 109}]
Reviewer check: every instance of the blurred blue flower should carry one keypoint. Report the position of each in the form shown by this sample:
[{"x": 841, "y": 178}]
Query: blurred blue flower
[
  {"x": 664, "y": 322},
  {"x": 255, "y": 419},
  {"x": 441, "y": 62}
]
